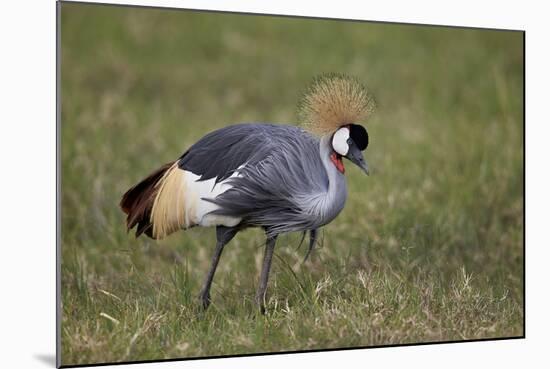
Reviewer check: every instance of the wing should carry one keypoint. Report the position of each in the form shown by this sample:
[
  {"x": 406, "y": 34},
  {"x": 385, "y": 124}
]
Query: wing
[
  {"x": 219, "y": 153},
  {"x": 276, "y": 187}
]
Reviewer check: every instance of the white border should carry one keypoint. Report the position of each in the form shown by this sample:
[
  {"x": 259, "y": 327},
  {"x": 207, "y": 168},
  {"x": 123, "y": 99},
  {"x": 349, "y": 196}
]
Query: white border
[{"x": 27, "y": 135}]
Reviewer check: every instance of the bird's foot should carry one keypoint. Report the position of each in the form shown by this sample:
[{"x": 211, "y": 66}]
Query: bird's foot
[
  {"x": 260, "y": 302},
  {"x": 262, "y": 309},
  {"x": 204, "y": 300}
]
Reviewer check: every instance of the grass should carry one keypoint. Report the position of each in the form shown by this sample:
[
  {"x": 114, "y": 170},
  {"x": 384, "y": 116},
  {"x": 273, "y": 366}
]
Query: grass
[{"x": 428, "y": 248}]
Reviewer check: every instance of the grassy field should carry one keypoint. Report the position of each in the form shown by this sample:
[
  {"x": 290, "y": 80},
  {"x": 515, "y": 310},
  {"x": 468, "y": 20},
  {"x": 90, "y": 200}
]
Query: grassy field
[{"x": 428, "y": 248}]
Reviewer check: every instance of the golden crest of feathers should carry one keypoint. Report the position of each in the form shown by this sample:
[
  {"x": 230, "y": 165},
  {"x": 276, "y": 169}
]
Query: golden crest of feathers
[{"x": 333, "y": 100}]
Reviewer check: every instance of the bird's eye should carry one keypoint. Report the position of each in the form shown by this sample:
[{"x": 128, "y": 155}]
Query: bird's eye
[{"x": 349, "y": 141}]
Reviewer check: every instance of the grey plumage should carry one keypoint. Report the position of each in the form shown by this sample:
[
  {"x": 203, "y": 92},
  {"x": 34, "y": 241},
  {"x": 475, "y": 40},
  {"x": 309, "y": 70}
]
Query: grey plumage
[{"x": 283, "y": 184}]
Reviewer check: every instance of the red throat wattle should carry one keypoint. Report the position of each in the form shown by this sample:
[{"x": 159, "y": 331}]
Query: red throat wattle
[{"x": 337, "y": 161}]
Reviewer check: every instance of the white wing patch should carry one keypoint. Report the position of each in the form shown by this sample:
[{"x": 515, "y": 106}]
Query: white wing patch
[{"x": 208, "y": 189}]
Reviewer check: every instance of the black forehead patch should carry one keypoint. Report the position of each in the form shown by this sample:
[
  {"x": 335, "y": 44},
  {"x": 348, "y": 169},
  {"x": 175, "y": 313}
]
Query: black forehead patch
[{"x": 359, "y": 135}]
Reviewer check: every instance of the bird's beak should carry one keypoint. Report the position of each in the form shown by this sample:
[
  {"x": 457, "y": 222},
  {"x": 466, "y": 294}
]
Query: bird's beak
[
  {"x": 356, "y": 157},
  {"x": 364, "y": 166}
]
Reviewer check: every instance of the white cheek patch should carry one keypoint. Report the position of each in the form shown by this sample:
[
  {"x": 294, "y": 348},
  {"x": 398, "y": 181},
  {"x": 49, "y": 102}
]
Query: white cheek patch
[{"x": 340, "y": 141}]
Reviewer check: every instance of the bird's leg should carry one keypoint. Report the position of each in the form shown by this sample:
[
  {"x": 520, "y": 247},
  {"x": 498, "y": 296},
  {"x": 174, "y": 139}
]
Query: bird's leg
[
  {"x": 312, "y": 241},
  {"x": 302, "y": 239},
  {"x": 223, "y": 235},
  {"x": 264, "y": 276}
]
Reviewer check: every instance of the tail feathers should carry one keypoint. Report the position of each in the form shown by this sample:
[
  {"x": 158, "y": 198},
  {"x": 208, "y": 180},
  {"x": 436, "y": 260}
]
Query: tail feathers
[{"x": 138, "y": 201}]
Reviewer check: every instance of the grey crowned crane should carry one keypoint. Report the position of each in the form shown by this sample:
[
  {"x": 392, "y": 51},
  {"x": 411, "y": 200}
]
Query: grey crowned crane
[{"x": 278, "y": 177}]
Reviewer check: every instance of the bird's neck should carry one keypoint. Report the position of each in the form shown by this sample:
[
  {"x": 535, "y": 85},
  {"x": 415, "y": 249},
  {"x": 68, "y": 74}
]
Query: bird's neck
[
  {"x": 332, "y": 161},
  {"x": 337, "y": 189}
]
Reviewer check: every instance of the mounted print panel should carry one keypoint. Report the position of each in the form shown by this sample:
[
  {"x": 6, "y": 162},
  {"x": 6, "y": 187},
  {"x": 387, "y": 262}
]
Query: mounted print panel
[{"x": 236, "y": 184}]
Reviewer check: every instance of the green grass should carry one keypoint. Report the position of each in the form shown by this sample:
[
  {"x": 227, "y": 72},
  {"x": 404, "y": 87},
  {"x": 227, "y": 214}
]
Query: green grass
[{"x": 428, "y": 248}]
